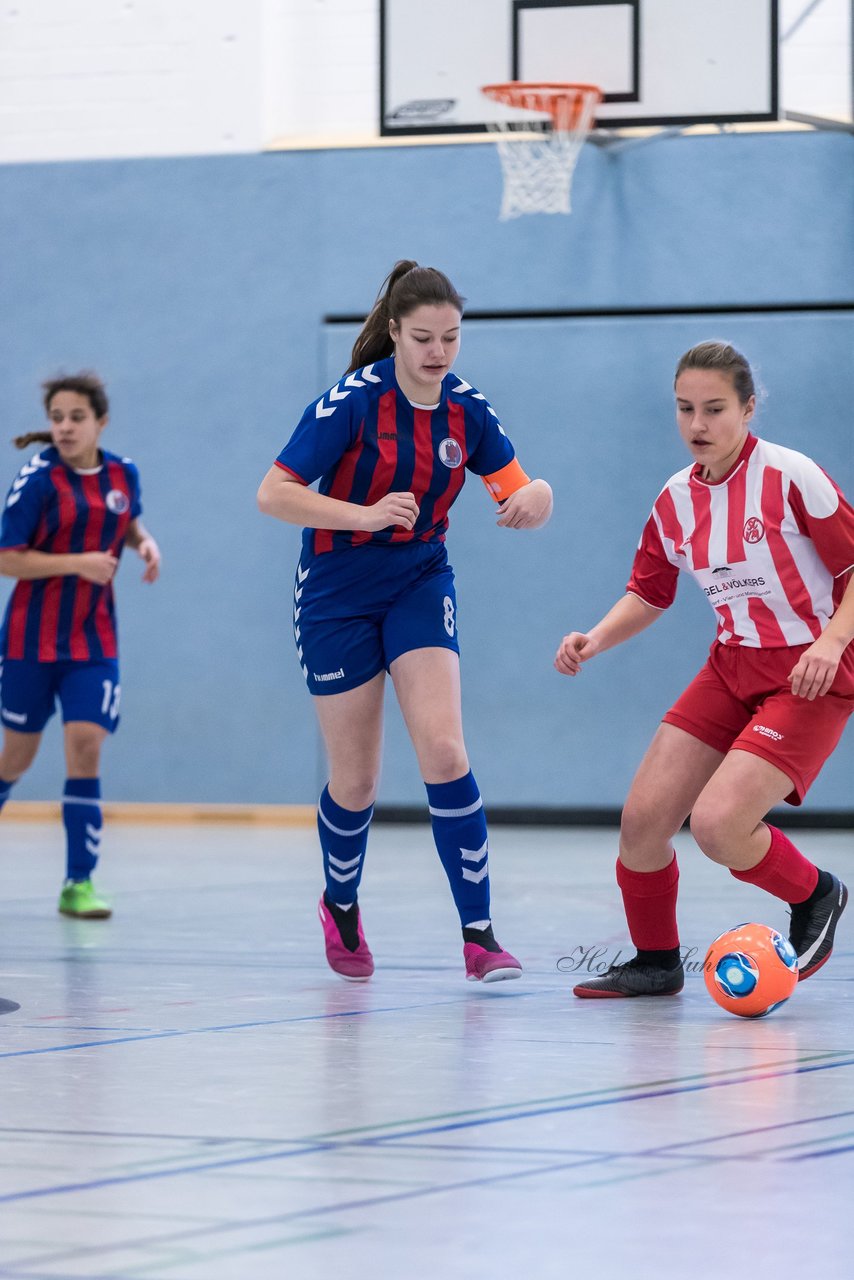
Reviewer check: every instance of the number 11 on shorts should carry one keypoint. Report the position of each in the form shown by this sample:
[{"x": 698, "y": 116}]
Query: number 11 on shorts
[{"x": 111, "y": 699}]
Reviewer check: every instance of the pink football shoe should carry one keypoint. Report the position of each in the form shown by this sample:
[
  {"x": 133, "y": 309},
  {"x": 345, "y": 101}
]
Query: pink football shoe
[
  {"x": 489, "y": 966},
  {"x": 355, "y": 966}
]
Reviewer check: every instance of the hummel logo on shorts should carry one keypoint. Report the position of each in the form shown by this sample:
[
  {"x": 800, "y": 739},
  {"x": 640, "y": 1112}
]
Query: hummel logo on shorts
[{"x": 330, "y": 675}]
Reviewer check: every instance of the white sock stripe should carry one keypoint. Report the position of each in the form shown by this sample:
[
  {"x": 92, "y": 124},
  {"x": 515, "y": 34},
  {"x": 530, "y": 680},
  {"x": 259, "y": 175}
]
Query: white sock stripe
[
  {"x": 94, "y": 833},
  {"x": 343, "y": 879},
  {"x": 93, "y": 848},
  {"x": 456, "y": 813},
  {"x": 475, "y": 855},
  {"x": 344, "y": 866},
  {"x": 476, "y": 876},
  {"x": 339, "y": 831},
  {"x": 82, "y": 800}
]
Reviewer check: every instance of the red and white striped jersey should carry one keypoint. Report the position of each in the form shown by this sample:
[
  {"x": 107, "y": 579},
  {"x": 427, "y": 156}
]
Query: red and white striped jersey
[{"x": 771, "y": 545}]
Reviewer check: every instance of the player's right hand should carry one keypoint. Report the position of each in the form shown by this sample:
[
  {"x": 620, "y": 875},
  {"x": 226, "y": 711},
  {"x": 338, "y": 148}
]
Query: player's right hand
[
  {"x": 97, "y": 566},
  {"x": 574, "y": 649},
  {"x": 395, "y": 508}
]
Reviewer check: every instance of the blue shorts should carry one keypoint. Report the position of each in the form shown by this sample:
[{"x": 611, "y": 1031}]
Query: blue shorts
[
  {"x": 357, "y": 610},
  {"x": 86, "y": 691}
]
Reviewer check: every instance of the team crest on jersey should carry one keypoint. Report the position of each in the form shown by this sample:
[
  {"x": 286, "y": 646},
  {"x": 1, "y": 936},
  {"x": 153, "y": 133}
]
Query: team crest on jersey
[
  {"x": 450, "y": 453},
  {"x": 754, "y": 530},
  {"x": 117, "y": 502}
]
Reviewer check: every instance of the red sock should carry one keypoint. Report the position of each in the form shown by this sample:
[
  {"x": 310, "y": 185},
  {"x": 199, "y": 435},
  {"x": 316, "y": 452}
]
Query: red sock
[
  {"x": 649, "y": 900},
  {"x": 784, "y": 871}
]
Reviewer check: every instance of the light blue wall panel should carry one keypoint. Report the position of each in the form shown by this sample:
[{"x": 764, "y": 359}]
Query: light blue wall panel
[
  {"x": 190, "y": 286},
  {"x": 719, "y": 220},
  {"x": 198, "y": 288}
]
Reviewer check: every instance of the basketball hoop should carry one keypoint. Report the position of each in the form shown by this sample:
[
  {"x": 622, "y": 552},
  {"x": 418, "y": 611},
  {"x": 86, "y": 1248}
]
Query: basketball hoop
[{"x": 538, "y": 155}]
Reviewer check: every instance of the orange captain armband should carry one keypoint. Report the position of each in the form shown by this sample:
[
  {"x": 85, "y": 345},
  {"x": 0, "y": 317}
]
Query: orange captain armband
[{"x": 506, "y": 481}]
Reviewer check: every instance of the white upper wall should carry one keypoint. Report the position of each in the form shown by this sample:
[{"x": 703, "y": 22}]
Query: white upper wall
[
  {"x": 83, "y": 79},
  {"x": 97, "y": 78}
]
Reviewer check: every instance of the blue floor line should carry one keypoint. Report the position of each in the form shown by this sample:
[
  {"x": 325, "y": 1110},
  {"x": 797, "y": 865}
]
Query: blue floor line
[
  {"x": 382, "y": 1140},
  {"x": 590, "y": 1103},
  {"x": 319, "y": 1211},
  {"x": 232, "y": 1026},
  {"x": 819, "y": 1155}
]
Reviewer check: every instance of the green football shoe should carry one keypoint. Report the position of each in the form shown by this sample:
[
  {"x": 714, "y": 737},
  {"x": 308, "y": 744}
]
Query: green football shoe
[{"x": 79, "y": 899}]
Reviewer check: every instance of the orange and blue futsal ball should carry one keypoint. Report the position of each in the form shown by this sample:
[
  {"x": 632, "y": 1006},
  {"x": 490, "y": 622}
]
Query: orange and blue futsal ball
[{"x": 751, "y": 970}]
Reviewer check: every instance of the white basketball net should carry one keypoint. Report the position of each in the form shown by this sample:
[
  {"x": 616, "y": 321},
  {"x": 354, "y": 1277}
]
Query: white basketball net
[{"x": 538, "y": 156}]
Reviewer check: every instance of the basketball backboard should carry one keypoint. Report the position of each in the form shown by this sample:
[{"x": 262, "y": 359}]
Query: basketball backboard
[{"x": 658, "y": 62}]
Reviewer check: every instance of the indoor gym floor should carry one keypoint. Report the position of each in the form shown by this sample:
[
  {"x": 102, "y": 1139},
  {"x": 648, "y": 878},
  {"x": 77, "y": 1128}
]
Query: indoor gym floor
[{"x": 188, "y": 1093}]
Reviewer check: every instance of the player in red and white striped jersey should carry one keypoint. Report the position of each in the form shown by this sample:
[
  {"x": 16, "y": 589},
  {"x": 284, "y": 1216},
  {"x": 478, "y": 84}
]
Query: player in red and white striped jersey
[{"x": 770, "y": 540}]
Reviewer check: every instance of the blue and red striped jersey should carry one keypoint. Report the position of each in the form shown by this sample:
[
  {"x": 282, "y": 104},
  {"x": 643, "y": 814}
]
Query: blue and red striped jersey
[
  {"x": 53, "y": 508},
  {"x": 364, "y": 439}
]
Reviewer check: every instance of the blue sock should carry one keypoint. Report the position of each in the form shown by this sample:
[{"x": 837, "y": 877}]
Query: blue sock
[
  {"x": 343, "y": 840},
  {"x": 5, "y": 788},
  {"x": 81, "y": 813},
  {"x": 459, "y": 829}
]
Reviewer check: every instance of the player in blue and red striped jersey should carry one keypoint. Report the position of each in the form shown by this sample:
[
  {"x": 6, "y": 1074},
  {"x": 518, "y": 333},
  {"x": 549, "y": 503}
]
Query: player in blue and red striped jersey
[
  {"x": 70, "y": 511},
  {"x": 374, "y": 592},
  {"x": 770, "y": 540}
]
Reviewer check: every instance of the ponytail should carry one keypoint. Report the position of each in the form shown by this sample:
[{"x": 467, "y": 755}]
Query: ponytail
[
  {"x": 374, "y": 342},
  {"x": 32, "y": 437},
  {"x": 406, "y": 287}
]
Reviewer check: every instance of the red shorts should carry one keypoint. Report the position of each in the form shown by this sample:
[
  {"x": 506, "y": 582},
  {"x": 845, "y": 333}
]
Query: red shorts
[{"x": 742, "y": 700}]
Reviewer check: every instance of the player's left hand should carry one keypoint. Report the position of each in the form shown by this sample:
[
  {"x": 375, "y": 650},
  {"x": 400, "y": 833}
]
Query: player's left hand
[
  {"x": 149, "y": 551},
  {"x": 814, "y": 671},
  {"x": 527, "y": 508}
]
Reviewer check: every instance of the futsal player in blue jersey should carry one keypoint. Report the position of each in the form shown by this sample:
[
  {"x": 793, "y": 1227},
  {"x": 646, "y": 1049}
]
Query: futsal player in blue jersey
[
  {"x": 70, "y": 511},
  {"x": 390, "y": 445}
]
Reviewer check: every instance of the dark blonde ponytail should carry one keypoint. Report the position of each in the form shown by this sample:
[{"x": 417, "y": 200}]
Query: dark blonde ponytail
[
  {"x": 406, "y": 287},
  {"x": 32, "y": 437}
]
